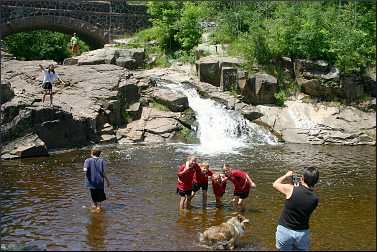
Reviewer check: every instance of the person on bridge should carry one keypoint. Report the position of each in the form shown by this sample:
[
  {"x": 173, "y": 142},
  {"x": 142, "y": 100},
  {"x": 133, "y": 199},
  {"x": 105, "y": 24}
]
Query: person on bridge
[
  {"x": 242, "y": 185},
  {"x": 49, "y": 76},
  {"x": 74, "y": 44}
]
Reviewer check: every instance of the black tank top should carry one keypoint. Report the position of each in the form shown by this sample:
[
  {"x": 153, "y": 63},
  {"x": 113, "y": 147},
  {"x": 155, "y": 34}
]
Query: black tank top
[{"x": 298, "y": 208}]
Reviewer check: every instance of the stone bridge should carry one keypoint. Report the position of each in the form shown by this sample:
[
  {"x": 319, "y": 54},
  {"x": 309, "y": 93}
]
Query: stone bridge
[{"x": 96, "y": 22}]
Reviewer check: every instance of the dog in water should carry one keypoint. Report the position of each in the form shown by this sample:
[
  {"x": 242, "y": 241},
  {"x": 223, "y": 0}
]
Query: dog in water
[{"x": 225, "y": 235}]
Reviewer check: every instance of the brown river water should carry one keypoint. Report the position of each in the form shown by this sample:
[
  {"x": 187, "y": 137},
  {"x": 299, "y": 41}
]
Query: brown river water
[{"x": 44, "y": 202}]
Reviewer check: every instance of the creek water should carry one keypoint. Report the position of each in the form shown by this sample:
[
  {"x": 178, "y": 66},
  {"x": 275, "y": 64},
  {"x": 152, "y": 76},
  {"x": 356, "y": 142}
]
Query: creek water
[{"x": 44, "y": 202}]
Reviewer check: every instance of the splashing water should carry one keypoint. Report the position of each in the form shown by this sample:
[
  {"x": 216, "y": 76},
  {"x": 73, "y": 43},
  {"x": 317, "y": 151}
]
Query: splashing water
[{"x": 220, "y": 130}]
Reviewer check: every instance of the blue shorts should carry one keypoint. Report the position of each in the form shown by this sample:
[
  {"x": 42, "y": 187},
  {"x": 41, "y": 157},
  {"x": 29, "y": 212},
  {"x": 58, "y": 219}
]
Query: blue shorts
[{"x": 289, "y": 240}]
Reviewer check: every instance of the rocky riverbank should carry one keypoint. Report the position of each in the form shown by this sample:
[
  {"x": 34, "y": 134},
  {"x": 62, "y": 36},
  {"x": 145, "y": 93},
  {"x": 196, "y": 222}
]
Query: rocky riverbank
[{"x": 104, "y": 101}]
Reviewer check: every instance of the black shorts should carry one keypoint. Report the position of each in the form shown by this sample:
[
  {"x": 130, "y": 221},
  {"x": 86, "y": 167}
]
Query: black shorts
[
  {"x": 184, "y": 193},
  {"x": 98, "y": 195},
  {"x": 196, "y": 187},
  {"x": 47, "y": 85},
  {"x": 242, "y": 195}
]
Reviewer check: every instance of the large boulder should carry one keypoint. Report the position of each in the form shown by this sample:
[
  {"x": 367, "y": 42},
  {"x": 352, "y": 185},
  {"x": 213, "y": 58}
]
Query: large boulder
[
  {"x": 205, "y": 49},
  {"x": 131, "y": 58},
  {"x": 300, "y": 122},
  {"x": 174, "y": 101},
  {"x": 209, "y": 68},
  {"x": 260, "y": 89},
  {"x": 153, "y": 126},
  {"x": 6, "y": 92},
  {"x": 27, "y": 146},
  {"x": 315, "y": 88}
]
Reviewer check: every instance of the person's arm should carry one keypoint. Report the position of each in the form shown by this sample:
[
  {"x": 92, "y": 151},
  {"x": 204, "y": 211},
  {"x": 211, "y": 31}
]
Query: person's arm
[
  {"x": 252, "y": 184},
  {"x": 184, "y": 171},
  {"x": 107, "y": 180},
  {"x": 85, "y": 166},
  {"x": 284, "y": 188}
]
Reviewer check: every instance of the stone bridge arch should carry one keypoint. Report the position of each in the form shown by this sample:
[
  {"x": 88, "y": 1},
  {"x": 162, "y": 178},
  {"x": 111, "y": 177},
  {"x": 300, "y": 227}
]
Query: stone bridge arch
[{"x": 93, "y": 35}]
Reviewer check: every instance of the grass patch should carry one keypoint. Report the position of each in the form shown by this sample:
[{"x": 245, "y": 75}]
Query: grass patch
[{"x": 158, "y": 106}]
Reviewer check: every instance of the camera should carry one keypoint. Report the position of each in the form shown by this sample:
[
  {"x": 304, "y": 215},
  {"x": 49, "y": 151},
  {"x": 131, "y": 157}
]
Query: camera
[{"x": 295, "y": 180}]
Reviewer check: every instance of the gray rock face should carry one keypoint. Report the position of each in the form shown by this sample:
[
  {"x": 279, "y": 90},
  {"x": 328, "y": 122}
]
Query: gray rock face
[
  {"x": 260, "y": 89},
  {"x": 27, "y": 146},
  {"x": 130, "y": 58},
  {"x": 153, "y": 126},
  {"x": 175, "y": 102},
  {"x": 81, "y": 108},
  {"x": 300, "y": 122}
]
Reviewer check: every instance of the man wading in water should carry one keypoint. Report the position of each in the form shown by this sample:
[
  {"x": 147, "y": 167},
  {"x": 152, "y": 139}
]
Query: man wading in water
[
  {"x": 94, "y": 168},
  {"x": 49, "y": 76}
]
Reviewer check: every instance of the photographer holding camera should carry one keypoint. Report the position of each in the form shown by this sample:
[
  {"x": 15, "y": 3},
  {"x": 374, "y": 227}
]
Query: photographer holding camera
[{"x": 292, "y": 232}]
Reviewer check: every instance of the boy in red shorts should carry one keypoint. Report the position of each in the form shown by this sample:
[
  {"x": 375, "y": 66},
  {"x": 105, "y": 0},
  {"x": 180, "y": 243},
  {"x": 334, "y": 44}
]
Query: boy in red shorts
[
  {"x": 200, "y": 180},
  {"x": 242, "y": 184},
  {"x": 218, "y": 188},
  {"x": 184, "y": 184}
]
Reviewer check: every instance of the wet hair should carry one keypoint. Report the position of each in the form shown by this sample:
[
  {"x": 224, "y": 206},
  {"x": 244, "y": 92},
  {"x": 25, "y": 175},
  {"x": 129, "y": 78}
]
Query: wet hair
[
  {"x": 311, "y": 175},
  {"x": 95, "y": 152}
]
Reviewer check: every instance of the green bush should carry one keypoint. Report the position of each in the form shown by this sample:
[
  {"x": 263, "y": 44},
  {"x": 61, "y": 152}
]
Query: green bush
[
  {"x": 41, "y": 44},
  {"x": 280, "y": 98}
]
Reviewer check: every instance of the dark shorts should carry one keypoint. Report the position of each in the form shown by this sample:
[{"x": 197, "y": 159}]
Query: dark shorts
[
  {"x": 219, "y": 196},
  {"x": 196, "y": 187},
  {"x": 98, "y": 195},
  {"x": 47, "y": 85},
  {"x": 184, "y": 193},
  {"x": 242, "y": 195}
]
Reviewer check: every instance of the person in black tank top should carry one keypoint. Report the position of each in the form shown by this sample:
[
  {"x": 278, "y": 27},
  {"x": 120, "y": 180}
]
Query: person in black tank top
[{"x": 292, "y": 232}]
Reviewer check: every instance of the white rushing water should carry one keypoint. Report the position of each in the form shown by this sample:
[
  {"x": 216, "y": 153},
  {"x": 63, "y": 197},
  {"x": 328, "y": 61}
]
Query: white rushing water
[{"x": 221, "y": 130}]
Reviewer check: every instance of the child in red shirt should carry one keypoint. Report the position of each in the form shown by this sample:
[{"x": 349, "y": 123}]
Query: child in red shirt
[
  {"x": 185, "y": 178},
  {"x": 218, "y": 188},
  {"x": 200, "y": 180},
  {"x": 242, "y": 184}
]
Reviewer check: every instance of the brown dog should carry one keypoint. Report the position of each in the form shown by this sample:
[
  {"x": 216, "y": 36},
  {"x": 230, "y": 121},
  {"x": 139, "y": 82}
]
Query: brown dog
[{"x": 225, "y": 235}]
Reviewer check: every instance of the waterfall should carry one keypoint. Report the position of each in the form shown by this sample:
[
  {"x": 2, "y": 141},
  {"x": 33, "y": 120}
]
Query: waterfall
[{"x": 221, "y": 130}]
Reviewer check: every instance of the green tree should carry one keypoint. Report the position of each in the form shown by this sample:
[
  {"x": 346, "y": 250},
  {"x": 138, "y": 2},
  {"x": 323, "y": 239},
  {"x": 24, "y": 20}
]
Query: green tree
[{"x": 40, "y": 44}]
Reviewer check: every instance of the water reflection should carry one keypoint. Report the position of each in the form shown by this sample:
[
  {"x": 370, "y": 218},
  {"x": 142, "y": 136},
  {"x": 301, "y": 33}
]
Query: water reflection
[
  {"x": 96, "y": 230},
  {"x": 142, "y": 211}
]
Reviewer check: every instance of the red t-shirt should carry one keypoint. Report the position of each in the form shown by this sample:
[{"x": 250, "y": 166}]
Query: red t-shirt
[
  {"x": 184, "y": 182},
  {"x": 201, "y": 178},
  {"x": 218, "y": 189},
  {"x": 239, "y": 180}
]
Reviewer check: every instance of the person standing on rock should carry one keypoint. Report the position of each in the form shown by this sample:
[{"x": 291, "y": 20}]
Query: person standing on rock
[
  {"x": 49, "y": 76},
  {"x": 242, "y": 185},
  {"x": 94, "y": 168}
]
